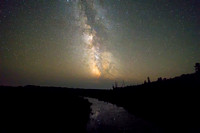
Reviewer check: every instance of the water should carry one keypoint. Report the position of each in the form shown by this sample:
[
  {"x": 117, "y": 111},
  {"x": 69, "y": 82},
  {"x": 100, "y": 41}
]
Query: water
[{"x": 109, "y": 118}]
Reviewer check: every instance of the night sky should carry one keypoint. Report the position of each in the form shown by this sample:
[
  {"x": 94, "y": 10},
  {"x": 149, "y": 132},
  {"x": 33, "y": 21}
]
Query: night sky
[{"x": 93, "y": 43}]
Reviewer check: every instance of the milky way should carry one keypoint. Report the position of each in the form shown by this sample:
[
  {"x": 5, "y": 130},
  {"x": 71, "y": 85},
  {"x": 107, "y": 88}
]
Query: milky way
[
  {"x": 99, "y": 60},
  {"x": 95, "y": 43}
]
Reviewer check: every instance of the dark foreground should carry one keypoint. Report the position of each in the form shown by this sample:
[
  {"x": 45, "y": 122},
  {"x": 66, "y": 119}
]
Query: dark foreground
[
  {"x": 39, "y": 109},
  {"x": 172, "y": 104}
]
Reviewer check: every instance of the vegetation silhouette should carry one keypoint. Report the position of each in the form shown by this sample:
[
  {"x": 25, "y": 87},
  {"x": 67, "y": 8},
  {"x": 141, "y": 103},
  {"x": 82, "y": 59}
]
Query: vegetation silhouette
[
  {"x": 197, "y": 67},
  {"x": 173, "y": 103},
  {"x": 42, "y": 109}
]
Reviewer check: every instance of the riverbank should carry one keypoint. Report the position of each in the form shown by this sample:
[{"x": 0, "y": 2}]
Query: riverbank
[
  {"x": 39, "y": 109},
  {"x": 171, "y": 103}
]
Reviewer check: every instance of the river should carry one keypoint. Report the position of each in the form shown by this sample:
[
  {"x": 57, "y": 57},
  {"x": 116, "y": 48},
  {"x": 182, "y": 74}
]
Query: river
[{"x": 108, "y": 118}]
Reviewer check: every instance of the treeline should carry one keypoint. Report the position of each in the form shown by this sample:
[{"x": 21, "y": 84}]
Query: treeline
[{"x": 171, "y": 103}]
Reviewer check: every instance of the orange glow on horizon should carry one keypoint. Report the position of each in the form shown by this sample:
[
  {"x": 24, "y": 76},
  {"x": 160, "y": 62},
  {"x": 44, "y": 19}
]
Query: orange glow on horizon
[{"x": 96, "y": 71}]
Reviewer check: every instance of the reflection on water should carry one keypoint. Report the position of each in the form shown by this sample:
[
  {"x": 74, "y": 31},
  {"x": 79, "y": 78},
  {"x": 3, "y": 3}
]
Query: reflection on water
[{"x": 108, "y": 118}]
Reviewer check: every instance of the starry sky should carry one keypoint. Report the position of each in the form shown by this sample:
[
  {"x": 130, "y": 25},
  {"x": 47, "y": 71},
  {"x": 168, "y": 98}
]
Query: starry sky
[{"x": 93, "y": 43}]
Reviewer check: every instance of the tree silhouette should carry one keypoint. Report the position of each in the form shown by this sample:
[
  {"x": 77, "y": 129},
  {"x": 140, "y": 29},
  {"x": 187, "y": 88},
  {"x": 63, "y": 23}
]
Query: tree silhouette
[
  {"x": 115, "y": 85},
  {"x": 197, "y": 67},
  {"x": 148, "y": 79},
  {"x": 159, "y": 79}
]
